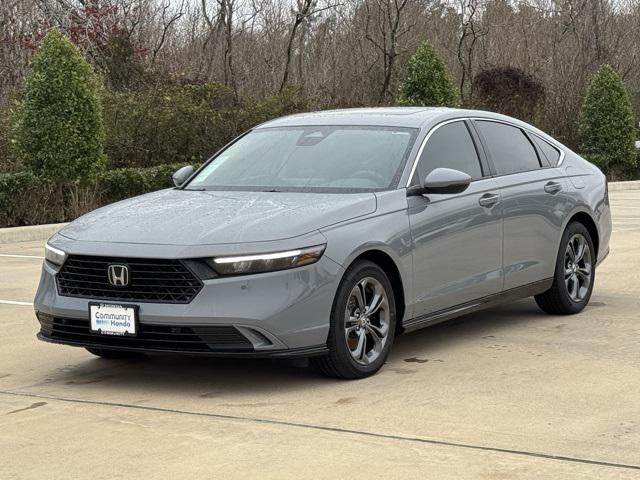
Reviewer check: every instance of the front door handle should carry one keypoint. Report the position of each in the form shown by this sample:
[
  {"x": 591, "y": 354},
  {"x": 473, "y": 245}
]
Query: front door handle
[
  {"x": 489, "y": 200},
  {"x": 552, "y": 187}
]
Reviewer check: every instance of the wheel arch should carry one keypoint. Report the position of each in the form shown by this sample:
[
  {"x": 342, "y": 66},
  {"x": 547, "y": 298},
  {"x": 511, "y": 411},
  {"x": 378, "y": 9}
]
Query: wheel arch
[
  {"x": 390, "y": 267},
  {"x": 586, "y": 219}
]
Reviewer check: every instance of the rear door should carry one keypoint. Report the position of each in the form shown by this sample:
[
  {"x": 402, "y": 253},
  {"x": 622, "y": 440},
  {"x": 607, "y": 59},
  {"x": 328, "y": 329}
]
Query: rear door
[
  {"x": 533, "y": 202},
  {"x": 457, "y": 238}
]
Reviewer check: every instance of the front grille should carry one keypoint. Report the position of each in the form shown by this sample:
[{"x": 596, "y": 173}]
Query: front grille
[
  {"x": 150, "y": 280},
  {"x": 149, "y": 337}
]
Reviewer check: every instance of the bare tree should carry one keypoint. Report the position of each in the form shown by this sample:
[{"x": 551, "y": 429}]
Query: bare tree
[
  {"x": 215, "y": 29},
  {"x": 304, "y": 11},
  {"x": 167, "y": 19},
  {"x": 383, "y": 29},
  {"x": 471, "y": 30}
]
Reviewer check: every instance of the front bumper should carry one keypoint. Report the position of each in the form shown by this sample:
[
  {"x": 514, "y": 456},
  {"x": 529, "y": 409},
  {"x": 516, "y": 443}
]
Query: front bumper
[
  {"x": 265, "y": 353},
  {"x": 279, "y": 314}
]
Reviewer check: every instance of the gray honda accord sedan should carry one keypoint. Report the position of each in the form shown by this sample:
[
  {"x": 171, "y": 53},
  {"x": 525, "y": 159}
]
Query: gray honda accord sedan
[{"x": 325, "y": 235}]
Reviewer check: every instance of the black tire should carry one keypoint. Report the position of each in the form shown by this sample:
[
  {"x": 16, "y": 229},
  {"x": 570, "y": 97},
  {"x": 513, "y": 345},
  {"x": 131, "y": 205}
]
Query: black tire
[
  {"x": 115, "y": 354},
  {"x": 557, "y": 300},
  {"x": 340, "y": 363}
]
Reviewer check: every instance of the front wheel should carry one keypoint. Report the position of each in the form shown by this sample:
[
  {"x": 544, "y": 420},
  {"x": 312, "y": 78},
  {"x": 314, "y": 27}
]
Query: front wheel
[
  {"x": 574, "y": 274},
  {"x": 362, "y": 324}
]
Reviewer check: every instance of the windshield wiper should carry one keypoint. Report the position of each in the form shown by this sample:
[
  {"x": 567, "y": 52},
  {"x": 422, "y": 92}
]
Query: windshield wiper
[{"x": 271, "y": 190}]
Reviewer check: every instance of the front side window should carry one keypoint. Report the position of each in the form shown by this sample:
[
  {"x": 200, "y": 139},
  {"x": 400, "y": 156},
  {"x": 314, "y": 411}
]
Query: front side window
[
  {"x": 510, "y": 149},
  {"x": 449, "y": 146},
  {"x": 317, "y": 158}
]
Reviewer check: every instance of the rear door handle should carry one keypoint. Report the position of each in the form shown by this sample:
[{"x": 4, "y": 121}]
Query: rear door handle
[
  {"x": 489, "y": 200},
  {"x": 552, "y": 187}
]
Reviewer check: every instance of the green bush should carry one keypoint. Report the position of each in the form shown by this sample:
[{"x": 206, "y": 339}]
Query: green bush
[
  {"x": 7, "y": 161},
  {"x": 291, "y": 100},
  {"x": 182, "y": 123},
  {"x": 167, "y": 124},
  {"x": 122, "y": 183},
  {"x": 14, "y": 188},
  {"x": 59, "y": 130},
  {"x": 606, "y": 127},
  {"x": 427, "y": 82},
  {"x": 27, "y": 199}
]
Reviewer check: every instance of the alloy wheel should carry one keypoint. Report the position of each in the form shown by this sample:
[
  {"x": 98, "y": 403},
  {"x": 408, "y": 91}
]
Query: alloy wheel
[
  {"x": 367, "y": 320},
  {"x": 577, "y": 267}
]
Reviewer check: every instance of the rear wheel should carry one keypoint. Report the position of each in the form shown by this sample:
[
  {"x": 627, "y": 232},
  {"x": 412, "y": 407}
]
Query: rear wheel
[
  {"x": 574, "y": 274},
  {"x": 115, "y": 354},
  {"x": 363, "y": 320}
]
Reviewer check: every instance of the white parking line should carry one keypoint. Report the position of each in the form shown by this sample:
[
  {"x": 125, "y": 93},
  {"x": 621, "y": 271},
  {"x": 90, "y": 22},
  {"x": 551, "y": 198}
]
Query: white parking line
[
  {"x": 20, "y": 256},
  {"x": 11, "y": 302}
]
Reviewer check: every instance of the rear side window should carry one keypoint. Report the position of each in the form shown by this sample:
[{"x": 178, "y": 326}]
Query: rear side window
[
  {"x": 510, "y": 149},
  {"x": 549, "y": 151},
  {"x": 450, "y": 146}
]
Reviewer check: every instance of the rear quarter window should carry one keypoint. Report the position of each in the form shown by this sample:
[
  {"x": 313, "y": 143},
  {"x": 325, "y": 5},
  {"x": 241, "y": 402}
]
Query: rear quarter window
[{"x": 549, "y": 151}]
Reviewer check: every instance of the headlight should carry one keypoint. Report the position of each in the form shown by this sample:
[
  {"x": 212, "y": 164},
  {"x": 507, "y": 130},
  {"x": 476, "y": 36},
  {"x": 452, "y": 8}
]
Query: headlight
[
  {"x": 54, "y": 255},
  {"x": 267, "y": 262}
]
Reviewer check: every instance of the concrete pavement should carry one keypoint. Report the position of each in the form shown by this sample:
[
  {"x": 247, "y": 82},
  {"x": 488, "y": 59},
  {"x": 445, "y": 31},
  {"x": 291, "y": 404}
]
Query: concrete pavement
[{"x": 505, "y": 393}]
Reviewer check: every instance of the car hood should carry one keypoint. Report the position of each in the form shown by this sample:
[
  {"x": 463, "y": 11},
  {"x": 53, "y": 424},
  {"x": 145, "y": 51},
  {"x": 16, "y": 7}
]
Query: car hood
[{"x": 183, "y": 217}]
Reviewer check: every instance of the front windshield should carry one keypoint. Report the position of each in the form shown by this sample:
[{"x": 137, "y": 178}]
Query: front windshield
[{"x": 320, "y": 158}]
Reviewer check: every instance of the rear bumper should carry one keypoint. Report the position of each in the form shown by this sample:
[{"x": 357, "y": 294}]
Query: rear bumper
[{"x": 276, "y": 314}]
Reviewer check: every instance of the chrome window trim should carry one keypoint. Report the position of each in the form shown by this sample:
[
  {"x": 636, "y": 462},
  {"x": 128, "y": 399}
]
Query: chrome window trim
[
  {"x": 424, "y": 143},
  {"x": 484, "y": 119}
]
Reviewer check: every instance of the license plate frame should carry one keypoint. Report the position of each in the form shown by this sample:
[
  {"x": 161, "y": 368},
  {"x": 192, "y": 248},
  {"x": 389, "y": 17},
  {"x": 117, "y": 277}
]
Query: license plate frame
[{"x": 117, "y": 329}]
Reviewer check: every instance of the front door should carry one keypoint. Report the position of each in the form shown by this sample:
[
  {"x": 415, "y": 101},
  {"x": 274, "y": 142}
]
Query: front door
[{"x": 457, "y": 238}]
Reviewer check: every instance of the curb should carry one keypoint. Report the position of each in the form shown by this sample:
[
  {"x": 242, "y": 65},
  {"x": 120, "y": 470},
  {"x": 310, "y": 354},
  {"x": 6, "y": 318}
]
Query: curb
[
  {"x": 29, "y": 234},
  {"x": 43, "y": 232},
  {"x": 619, "y": 186}
]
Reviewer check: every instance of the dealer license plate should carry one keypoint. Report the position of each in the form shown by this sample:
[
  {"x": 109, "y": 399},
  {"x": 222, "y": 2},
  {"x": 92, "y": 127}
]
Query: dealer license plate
[{"x": 113, "y": 319}]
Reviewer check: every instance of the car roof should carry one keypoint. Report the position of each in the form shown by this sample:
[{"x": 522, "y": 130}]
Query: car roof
[
  {"x": 414, "y": 117},
  {"x": 380, "y": 116}
]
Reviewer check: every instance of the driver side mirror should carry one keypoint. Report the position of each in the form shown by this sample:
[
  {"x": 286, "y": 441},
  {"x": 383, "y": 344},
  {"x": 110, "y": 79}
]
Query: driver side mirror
[
  {"x": 182, "y": 175},
  {"x": 442, "y": 180}
]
